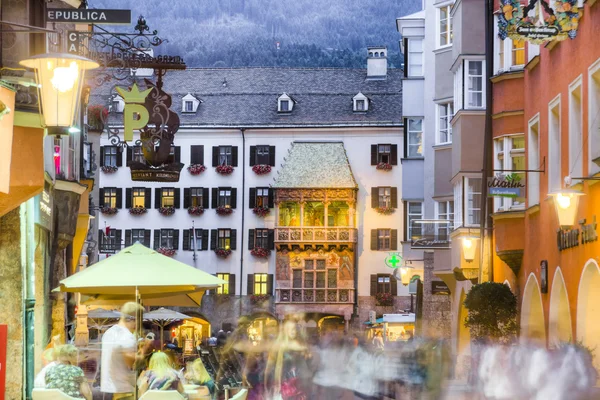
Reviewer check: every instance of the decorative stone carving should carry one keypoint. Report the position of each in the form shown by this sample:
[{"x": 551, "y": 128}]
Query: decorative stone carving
[{"x": 283, "y": 266}]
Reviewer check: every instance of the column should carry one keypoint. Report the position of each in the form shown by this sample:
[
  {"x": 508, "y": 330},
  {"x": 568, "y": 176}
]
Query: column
[{"x": 326, "y": 213}]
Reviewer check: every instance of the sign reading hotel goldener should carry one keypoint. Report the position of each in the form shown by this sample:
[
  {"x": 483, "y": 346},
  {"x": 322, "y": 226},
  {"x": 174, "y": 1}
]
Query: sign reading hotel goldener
[{"x": 91, "y": 16}]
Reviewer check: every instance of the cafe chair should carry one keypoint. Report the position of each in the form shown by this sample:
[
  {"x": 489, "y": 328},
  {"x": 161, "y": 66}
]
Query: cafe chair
[
  {"x": 50, "y": 394},
  {"x": 162, "y": 395}
]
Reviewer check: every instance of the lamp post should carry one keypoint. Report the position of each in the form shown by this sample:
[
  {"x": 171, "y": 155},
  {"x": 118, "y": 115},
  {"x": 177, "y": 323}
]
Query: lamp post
[
  {"x": 566, "y": 202},
  {"x": 60, "y": 79}
]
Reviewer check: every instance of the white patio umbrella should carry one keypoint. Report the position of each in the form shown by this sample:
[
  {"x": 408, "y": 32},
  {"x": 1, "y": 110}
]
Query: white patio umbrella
[
  {"x": 163, "y": 317},
  {"x": 101, "y": 318}
]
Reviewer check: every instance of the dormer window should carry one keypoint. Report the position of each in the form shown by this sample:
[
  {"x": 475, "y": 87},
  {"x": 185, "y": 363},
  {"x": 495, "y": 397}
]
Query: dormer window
[
  {"x": 285, "y": 103},
  {"x": 361, "y": 103},
  {"x": 118, "y": 104},
  {"x": 189, "y": 104}
]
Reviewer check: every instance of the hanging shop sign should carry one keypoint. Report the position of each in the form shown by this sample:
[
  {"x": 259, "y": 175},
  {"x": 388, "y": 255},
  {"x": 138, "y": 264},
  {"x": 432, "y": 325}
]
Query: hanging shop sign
[
  {"x": 569, "y": 238},
  {"x": 512, "y": 185},
  {"x": 135, "y": 114},
  {"x": 439, "y": 287},
  {"x": 394, "y": 260},
  {"x": 43, "y": 208},
  {"x": 537, "y": 22},
  {"x": 430, "y": 234},
  {"x": 91, "y": 16},
  {"x": 544, "y": 276}
]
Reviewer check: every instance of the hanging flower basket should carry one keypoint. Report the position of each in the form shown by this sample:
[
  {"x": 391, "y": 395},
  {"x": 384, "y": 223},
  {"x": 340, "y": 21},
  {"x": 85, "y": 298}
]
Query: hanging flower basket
[
  {"x": 261, "y": 169},
  {"x": 108, "y": 169},
  {"x": 97, "y": 115},
  {"x": 196, "y": 169},
  {"x": 224, "y": 169},
  {"x": 221, "y": 210},
  {"x": 138, "y": 210},
  {"x": 384, "y": 166},
  {"x": 165, "y": 251},
  {"x": 384, "y": 299},
  {"x": 259, "y": 252},
  {"x": 385, "y": 210},
  {"x": 195, "y": 211},
  {"x": 109, "y": 210},
  {"x": 223, "y": 253},
  {"x": 166, "y": 211},
  {"x": 261, "y": 211},
  {"x": 259, "y": 298}
]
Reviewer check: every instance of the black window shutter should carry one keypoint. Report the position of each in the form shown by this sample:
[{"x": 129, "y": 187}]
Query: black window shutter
[
  {"x": 177, "y": 197},
  {"x": 177, "y": 154},
  {"x": 213, "y": 239},
  {"x": 128, "y": 237},
  {"x": 128, "y": 198},
  {"x": 100, "y": 241},
  {"x": 252, "y": 202},
  {"x": 233, "y": 239},
  {"x": 270, "y": 284},
  {"x": 374, "y": 241},
  {"x": 215, "y": 197},
  {"x": 176, "y": 239},
  {"x": 148, "y": 198},
  {"x": 233, "y": 197},
  {"x": 405, "y": 138},
  {"x": 234, "y": 156},
  {"x": 119, "y": 157},
  {"x": 394, "y": 197},
  {"x": 374, "y": 197},
  {"x": 394, "y": 239},
  {"x": 250, "y": 288},
  {"x": 271, "y": 202},
  {"x": 197, "y": 154},
  {"x": 186, "y": 239},
  {"x": 405, "y": 57},
  {"x": 129, "y": 155},
  {"x": 373, "y": 284},
  {"x": 186, "y": 198},
  {"x": 271, "y": 239},
  {"x": 118, "y": 238},
  {"x": 119, "y": 197},
  {"x": 373, "y": 154},
  {"x": 272, "y": 156},
  {"x": 250, "y": 239},
  {"x": 147, "y": 237},
  {"x": 156, "y": 239},
  {"x": 101, "y": 199},
  {"x": 215, "y": 160},
  {"x": 232, "y": 284},
  {"x": 205, "y": 198},
  {"x": 394, "y": 285},
  {"x": 405, "y": 228},
  {"x": 394, "y": 154},
  {"x": 157, "y": 197},
  {"x": 252, "y": 157},
  {"x": 102, "y": 156},
  {"x": 204, "y": 239}
]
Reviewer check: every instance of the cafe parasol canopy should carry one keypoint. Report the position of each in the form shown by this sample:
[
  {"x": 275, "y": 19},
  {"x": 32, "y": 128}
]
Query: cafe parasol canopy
[{"x": 163, "y": 317}]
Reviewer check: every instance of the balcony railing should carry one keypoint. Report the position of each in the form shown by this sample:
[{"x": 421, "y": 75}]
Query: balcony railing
[
  {"x": 345, "y": 296},
  {"x": 315, "y": 234}
]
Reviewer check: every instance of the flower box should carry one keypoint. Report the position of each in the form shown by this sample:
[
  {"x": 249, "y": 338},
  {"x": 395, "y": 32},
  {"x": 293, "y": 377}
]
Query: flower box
[
  {"x": 259, "y": 298},
  {"x": 109, "y": 210},
  {"x": 138, "y": 210},
  {"x": 259, "y": 252},
  {"x": 108, "y": 169},
  {"x": 223, "y": 253},
  {"x": 96, "y": 117},
  {"x": 221, "y": 210},
  {"x": 261, "y": 211},
  {"x": 384, "y": 299},
  {"x": 165, "y": 251},
  {"x": 261, "y": 169},
  {"x": 384, "y": 166},
  {"x": 166, "y": 211},
  {"x": 195, "y": 211},
  {"x": 196, "y": 169},
  {"x": 224, "y": 169},
  {"x": 385, "y": 210}
]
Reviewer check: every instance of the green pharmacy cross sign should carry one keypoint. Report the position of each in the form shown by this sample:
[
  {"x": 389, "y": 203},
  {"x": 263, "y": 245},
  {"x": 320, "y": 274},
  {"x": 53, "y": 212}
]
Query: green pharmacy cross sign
[{"x": 394, "y": 260}]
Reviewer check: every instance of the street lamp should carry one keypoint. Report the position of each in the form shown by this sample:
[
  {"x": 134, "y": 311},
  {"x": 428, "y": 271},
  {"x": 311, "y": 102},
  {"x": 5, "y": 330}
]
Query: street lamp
[
  {"x": 469, "y": 246},
  {"x": 566, "y": 202},
  {"x": 60, "y": 79}
]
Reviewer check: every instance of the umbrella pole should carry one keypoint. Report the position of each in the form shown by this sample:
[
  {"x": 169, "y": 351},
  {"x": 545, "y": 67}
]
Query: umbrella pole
[{"x": 161, "y": 336}]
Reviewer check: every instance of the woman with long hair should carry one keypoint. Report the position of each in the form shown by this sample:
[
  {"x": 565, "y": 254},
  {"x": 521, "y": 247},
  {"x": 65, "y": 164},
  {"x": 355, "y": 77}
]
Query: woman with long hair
[
  {"x": 160, "y": 375},
  {"x": 66, "y": 376},
  {"x": 198, "y": 375}
]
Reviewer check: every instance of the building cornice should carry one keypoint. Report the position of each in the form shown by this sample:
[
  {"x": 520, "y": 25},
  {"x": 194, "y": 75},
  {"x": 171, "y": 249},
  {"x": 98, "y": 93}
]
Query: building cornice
[
  {"x": 506, "y": 75},
  {"x": 504, "y": 114}
]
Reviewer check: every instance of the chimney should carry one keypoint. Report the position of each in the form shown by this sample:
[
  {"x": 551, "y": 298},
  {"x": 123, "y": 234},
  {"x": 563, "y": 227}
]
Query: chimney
[{"x": 377, "y": 62}]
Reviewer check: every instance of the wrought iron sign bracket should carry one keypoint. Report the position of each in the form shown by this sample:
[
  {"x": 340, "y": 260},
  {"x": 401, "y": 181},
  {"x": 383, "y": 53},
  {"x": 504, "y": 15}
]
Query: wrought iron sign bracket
[{"x": 540, "y": 170}]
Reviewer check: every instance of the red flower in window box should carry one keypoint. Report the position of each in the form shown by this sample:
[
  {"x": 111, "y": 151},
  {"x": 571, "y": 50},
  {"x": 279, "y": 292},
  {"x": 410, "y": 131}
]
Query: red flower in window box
[
  {"x": 384, "y": 299},
  {"x": 138, "y": 210},
  {"x": 223, "y": 253},
  {"x": 385, "y": 210},
  {"x": 166, "y": 211},
  {"x": 195, "y": 211},
  {"x": 108, "y": 169},
  {"x": 261, "y": 169},
  {"x": 259, "y": 298},
  {"x": 384, "y": 166},
  {"x": 109, "y": 210},
  {"x": 261, "y": 211},
  {"x": 221, "y": 210},
  {"x": 196, "y": 169},
  {"x": 224, "y": 169},
  {"x": 165, "y": 251},
  {"x": 259, "y": 252}
]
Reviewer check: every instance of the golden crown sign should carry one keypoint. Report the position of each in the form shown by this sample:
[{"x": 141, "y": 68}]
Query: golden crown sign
[
  {"x": 537, "y": 22},
  {"x": 134, "y": 100}
]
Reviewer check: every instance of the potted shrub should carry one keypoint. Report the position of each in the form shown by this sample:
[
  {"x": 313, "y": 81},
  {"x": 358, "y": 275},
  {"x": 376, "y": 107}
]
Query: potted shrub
[
  {"x": 259, "y": 298},
  {"x": 224, "y": 169},
  {"x": 384, "y": 166},
  {"x": 384, "y": 299},
  {"x": 109, "y": 210},
  {"x": 96, "y": 117},
  {"x": 196, "y": 169},
  {"x": 259, "y": 252},
  {"x": 166, "y": 211},
  {"x": 165, "y": 251},
  {"x": 261, "y": 169},
  {"x": 109, "y": 169},
  {"x": 223, "y": 253},
  {"x": 138, "y": 210},
  {"x": 195, "y": 211},
  {"x": 385, "y": 210},
  {"x": 222, "y": 210},
  {"x": 261, "y": 211}
]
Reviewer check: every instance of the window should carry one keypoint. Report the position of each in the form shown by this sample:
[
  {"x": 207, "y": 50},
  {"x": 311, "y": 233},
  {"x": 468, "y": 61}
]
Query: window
[
  {"x": 332, "y": 278},
  {"x": 224, "y": 197},
  {"x": 445, "y": 211},
  {"x": 87, "y": 159},
  {"x": 593, "y": 121},
  {"x": 554, "y": 146},
  {"x": 225, "y": 157},
  {"x": 415, "y": 57},
  {"x": 361, "y": 102},
  {"x": 510, "y": 156},
  {"x": 518, "y": 52},
  {"x": 196, "y": 240},
  {"x": 167, "y": 197},
  {"x": 415, "y": 137},
  {"x": 110, "y": 197},
  {"x": 414, "y": 213},
  {"x": 473, "y": 201},
  {"x": 166, "y": 238},
  {"x": 224, "y": 241},
  {"x": 138, "y": 197},
  {"x": 385, "y": 197},
  {"x": 445, "y": 113},
  {"x": 475, "y": 98},
  {"x": 196, "y": 197},
  {"x": 284, "y": 105},
  {"x": 118, "y": 104},
  {"x": 138, "y": 235},
  {"x": 384, "y": 239},
  {"x": 511, "y": 53},
  {"x": 197, "y": 154},
  {"x": 260, "y": 284},
  {"x": 262, "y": 155},
  {"x": 360, "y": 105},
  {"x": 445, "y": 25},
  {"x": 189, "y": 106},
  {"x": 262, "y": 197},
  {"x": 458, "y": 199},
  {"x": 533, "y": 160},
  {"x": 110, "y": 243},
  {"x": 110, "y": 156},
  {"x": 138, "y": 155},
  {"x": 384, "y": 284},
  {"x": 261, "y": 238},
  {"x": 575, "y": 129},
  {"x": 500, "y": 54},
  {"x": 459, "y": 90},
  {"x": 384, "y": 153},
  {"x": 223, "y": 288}
]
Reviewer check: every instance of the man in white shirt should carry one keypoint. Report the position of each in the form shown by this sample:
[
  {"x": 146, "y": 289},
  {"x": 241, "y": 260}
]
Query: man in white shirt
[{"x": 118, "y": 355}]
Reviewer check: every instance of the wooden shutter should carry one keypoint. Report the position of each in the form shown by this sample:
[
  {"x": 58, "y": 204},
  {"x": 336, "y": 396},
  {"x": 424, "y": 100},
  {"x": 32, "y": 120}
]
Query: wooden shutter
[
  {"x": 252, "y": 202},
  {"x": 270, "y": 284},
  {"x": 394, "y": 197},
  {"x": 147, "y": 237},
  {"x": 186, "y": 239},
  {"x": 213, "y": 239},
  {"x": 232, "y": 284},
  {"x": 250, "y": 239},
  {"x": 204, "y": 239},
  {"x": 373, "y": 154},
  {"x": 215, "y": 158},
  {"x": 374, "y": 241},
  {"x": 405, "y": 227},
  {"x": 157, "y": 197},
  {"x": 233, "y": 202},
  {"x": 233, "y": 239},
  {"x": 205, "y": 197},
  {"x": 186, "y": 198},
  {"x": 100, "y": 240},
  {"x": 250, "y": 288},
  {"x": 102, "y": 156},
  {"x": 394, "y": 239},
  {"x": 197, "y": 154},
  {"x": 128, "y": 198},
  {"x": 394, "y": 154},
  {"x": 176, "y": 239},
  {"x": 177, "y": 197},
  {"x": 405, "y": 128},
  {"x": 215, "y": 197},
  {"x": 118, "y": 239},
  {"x": 374, "y": 197},
  {"x": 373, "y": 284},
  {"x": 128, "y": 237},
  {"x": 234, "y": 156},
  {"x": 119, "y": 157},
  {"x": 119, "y": 197},
  {"x": 156, "y": 239},
  {"x": 252, "y": 157},
  {"x": 177, "y": 154},
  {"x": 271, "y": 202},
  {"x": 394, "y": 286},
  {"x": 272, "y": 156},
  {"x": 405, "y": 57},
  {"x": 148, "y": 198},
  {"x": 101, "y": 199},
  {"x": 271, "y": 239},
  {"x": 129, "y": 155}
]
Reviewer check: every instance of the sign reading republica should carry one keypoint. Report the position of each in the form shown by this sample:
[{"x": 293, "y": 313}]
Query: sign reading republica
[{"x": 92, "y": 16}]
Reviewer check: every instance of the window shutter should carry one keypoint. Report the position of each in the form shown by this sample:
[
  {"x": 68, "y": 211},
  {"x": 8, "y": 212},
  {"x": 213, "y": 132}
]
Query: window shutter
[
  {"x": 213, "y": 239},
  {"x": 394, "y": 286},
  {"x": 119, "y": 157},
  {"x": 250, "y": 288},
  {"x": 405, "y": 137},
  {"x": 177, "y": 154},
  {"x": 373, "y": 154},
  {"x": 271, "y": 202},
  {"x": 176, "y": 239},
  {"x": 394, "y": 197},
  {"x": 100, "y": 236},
  {"x": 405, "y": 228},
  {"x": 129, "y": 155},
  {"x": 186, "y": 239},
  {"x": 252, "y": 156},
  {"x": 405, "y": 57},
  {"x": 205, "y": 198},
  {"x": 197, "y": 154},
  {"x": 233, "y": 239},
  {"x": 102, "y": 156},
  {"x": 250, "y": 239},
  {"x": 373, "y": 284},
  {"x": 157, "y": 197},
  {"x": 272, "y": 156},
  {"x": 394, "y": 154},
  {"x": 148, "y": 198},
  {"x": 101, "y": 199},
  {"x": 394, "y": 239},
  {"x": 271, "y": 239},
  {"x": 374, "y": 242},
  {"x": 177, "y": 197},
  {"x": 233, "y": 198},
  {"x": 215, "y": 160},
  {"x": 156, "y": 239},
  {"x": 374, "y": 197},
  {"x": 128, "y": 237},
  {"x": 204, "y": 239},
  {"x": 128, "y": 198},
  {"x": 119, "y": 197},
  {"x": 252, "y": 202},
  {"x": 234, "y": 156},
  {"x": 270, "y": 284},
  {"x": 215, "y": 197},
  {"x": 232, "y": 284},
  {"x": 118, "y": 239},
  {"x": 147, "y": 237},
  {"x": 186, "y": 198}
]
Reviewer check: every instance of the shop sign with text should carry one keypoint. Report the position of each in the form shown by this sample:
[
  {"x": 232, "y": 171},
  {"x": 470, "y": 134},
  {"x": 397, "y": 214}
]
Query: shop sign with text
[
  {"x": 569, "y": 238},
  {"x": 430, "y": 234},
  {"x": 512, "y": 186},
  {"x": 43, "y": 208},
  {"x": 91, "y": 16}
]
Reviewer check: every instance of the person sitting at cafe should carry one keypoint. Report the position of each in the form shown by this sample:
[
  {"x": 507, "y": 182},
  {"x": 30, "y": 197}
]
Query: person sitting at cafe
[
  {"x": 198, "y": 375},
  {"x": 66, "y": 376},
  {"x": 160, "y": 375}
]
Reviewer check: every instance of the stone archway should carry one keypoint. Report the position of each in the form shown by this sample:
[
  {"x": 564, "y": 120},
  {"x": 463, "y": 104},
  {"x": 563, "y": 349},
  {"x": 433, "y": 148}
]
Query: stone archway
[
  {"x": 532, "y": 313},
  {"x": 588, "y": 307},
  {"x": 559, "y": 318}
]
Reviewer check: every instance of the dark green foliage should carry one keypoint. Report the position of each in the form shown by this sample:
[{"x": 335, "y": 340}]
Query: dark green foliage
[{"x": 492, "y": 313}]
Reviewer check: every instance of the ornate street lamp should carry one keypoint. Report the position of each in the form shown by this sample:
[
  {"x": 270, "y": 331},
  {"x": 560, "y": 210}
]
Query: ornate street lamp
[
  {"x": 469, "y": 246},
  {"x": 566, "y": 202},
  {"x": 60, "y": 79}
]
